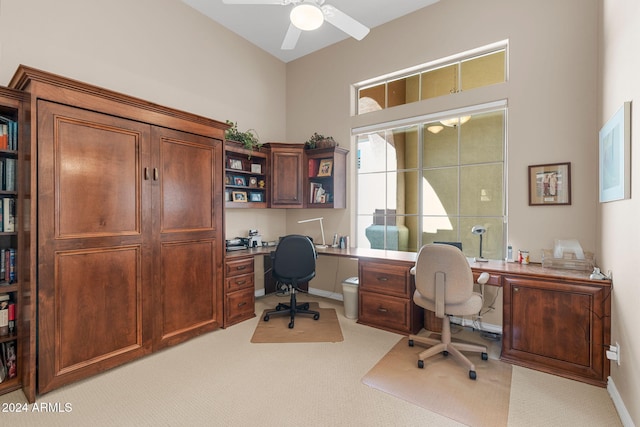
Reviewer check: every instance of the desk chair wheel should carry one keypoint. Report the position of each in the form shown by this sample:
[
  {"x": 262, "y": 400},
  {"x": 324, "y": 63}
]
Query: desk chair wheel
[
  {"x": 410, "y": 343},
  {"x": 305, "y": 306},
  {"x": 420, "y": 364},
  {"x": 291, "y": 325},
  {"x": 266, "y": 318},
  {"x": 445, "y": 353},
  {"x": 485, "y": 356},
  {"x": 472, "y": 375}
]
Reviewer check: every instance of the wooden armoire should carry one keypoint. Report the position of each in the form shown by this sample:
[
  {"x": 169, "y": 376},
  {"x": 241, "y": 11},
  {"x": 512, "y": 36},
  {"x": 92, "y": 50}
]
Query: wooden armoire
[{"x": 125, "y": 232}]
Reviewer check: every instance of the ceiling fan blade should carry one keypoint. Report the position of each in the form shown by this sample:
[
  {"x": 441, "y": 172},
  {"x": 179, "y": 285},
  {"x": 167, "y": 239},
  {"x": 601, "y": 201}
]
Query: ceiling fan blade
[
  {"x": 254, "y": 1},
  {"x": 291, "y": 38},
  {"x": 344, "y": 22}
]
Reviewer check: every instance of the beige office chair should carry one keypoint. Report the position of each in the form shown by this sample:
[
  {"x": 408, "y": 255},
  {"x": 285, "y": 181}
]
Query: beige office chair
[{"x": 444, "y": 285}]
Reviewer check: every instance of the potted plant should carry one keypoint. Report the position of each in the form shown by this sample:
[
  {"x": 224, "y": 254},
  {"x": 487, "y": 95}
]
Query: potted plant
[
  {"x": 320, "y": 141},
  {"x": 248, "y": 139}
]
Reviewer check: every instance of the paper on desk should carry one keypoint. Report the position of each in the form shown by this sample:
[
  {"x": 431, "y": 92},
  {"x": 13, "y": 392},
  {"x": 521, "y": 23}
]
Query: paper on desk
[{"x": 569, "y": 245}]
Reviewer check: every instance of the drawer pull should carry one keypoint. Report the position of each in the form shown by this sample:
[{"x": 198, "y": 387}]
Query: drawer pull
[
  {"x": 516, "y": 289},
  {"x": 241, "y": 304},
  {"x": 382, "y": 310},
  {"x": 241, "y": 267},
  {"x": 240, "y": 282},
  {"x": 383, "y": 279}
]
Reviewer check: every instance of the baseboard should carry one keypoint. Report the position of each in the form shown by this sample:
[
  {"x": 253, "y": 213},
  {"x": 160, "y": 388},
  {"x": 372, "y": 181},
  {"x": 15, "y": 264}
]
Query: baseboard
[
  {"x": 326, "y": 294},
  {"x": 624, "y": 415},
  {"x": 483, "y": 326}
]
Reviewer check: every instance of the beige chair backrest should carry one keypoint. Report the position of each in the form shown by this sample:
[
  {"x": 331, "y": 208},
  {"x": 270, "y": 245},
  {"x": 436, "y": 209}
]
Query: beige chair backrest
[{"x": 449, "y": 266}]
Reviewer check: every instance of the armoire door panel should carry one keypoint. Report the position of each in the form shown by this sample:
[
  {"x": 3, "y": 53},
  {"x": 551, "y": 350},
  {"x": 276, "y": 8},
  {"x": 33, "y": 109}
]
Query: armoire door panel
[
  {"x": 95, "y": 166},
  {"x": 187, "y": 228},
  {"x": 188, "y": 297},
  {"x": 99, "y": 305},
  {"x": 187, "y": 182},
  {"x": 91, "y": 307}
]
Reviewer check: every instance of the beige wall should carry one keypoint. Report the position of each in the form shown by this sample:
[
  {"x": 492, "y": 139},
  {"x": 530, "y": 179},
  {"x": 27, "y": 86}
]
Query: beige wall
[{"x": 618, "y": 230}]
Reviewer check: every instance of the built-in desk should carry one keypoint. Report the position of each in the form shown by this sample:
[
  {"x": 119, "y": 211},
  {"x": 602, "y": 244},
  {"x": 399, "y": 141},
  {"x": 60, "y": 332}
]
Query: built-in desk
[{"x": 556, "y": 321}]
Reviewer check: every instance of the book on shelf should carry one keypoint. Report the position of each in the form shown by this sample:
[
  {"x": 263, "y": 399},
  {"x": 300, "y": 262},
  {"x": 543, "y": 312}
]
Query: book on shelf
[
  {"x": 8, "y": 214},
  {"x": 4, "y": 314},
  {"x": 8, "y": 134},
  {"x": 7, "y": 266},
  {"x": 9, "y": 174},
  {"x": 10, "y": 361}
]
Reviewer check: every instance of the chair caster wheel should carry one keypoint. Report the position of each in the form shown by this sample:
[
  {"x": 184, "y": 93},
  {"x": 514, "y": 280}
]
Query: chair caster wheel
[
  {"x": 266, "y": 318},
  {"x": 316, "y": 316},
  {"x": 305, "y": 307},
  {"x": 290, "y": 325},
  {"x": 420, "y": 364},
  {"x": 410, "y": 343},
  {"x": 278, "y": 307},
  {"x": 485, "y": 356},
  {"x": 472, "y": 375},
  {"x": 445, "y": 353}
]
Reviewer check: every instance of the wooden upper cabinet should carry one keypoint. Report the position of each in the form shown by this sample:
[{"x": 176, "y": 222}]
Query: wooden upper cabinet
[{"x": 287, "y": 172}]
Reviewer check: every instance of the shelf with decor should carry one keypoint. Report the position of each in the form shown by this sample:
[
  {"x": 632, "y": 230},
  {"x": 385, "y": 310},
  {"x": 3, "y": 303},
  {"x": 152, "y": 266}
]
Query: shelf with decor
[
  {"x": 326, "y": 178},
  {"x": 246, "y": 176}
]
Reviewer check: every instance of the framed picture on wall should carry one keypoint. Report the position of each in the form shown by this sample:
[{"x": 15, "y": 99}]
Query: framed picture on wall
[
  {"x": 615, "y": 156},
  {"x": 550, "y": 184}
]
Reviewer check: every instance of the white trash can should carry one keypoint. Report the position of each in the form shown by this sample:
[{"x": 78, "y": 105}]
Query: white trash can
[{"x": 350, "y": 297}]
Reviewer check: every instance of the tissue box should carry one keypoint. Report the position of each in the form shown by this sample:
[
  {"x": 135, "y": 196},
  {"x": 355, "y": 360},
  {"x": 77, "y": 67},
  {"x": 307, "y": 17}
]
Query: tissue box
[{"x": 568, "y": 261}]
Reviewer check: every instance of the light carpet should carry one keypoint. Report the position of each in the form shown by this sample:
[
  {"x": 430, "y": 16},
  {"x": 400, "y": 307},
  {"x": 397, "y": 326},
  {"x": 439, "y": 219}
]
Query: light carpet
[
  {"x": 444, "y": 387},
  {"x": 276, "y": 330}
]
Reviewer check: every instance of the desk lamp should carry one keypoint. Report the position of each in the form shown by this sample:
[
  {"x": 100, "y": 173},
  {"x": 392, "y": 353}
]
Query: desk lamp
[
  {"x": 479, "y": 230},
  {"x": 323, "y": 245}
]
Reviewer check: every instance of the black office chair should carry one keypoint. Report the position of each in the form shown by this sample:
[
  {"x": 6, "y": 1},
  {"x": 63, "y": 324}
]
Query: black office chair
[{"x": 293, "y": 262}]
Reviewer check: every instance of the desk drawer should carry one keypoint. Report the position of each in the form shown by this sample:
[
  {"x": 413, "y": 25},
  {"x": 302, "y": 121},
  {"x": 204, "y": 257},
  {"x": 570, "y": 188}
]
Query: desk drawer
[
  {"x": 235, "y": 283},
  {"x": 386, "y": 278},
  {"x": 239, "y": 306},
  {"x": 385, "y": 311},
  {"x": 239, "y": 266},
  {"x": 494, "y": 279}
]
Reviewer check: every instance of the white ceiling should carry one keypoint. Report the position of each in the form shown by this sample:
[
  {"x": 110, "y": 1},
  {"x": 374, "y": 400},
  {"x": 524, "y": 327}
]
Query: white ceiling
[{"x": 266, "y": 25}]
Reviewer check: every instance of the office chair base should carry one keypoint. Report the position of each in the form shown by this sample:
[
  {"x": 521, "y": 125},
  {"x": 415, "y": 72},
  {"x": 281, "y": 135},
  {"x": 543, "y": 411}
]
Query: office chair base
[
  {"x": 447, "y": 347},
  {"x": 292, "y": 309}
]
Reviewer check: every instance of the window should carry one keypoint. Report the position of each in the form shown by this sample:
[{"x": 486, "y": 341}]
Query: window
[
  {"x": 467, "y": 72},
  {"x": 431, "y": 182}
]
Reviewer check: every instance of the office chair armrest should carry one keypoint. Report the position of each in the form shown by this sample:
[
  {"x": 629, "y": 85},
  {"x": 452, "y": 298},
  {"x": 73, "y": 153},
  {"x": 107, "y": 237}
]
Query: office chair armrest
[{"x": 484, "y": 278}]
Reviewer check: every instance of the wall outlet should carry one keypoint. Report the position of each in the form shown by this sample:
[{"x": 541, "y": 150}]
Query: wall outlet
[{"x": 614, "y": 353}]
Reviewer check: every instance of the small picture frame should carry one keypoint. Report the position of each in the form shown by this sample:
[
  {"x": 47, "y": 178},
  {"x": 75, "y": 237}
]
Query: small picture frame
[
  {"x": 239, "y": 196},
  {"x": 550, "y": 184},
  {"x": 227, "y": 180},
  {"x": 239, "y": 181},
  {"x": 235, "y": 164},
  {"x": 325, "y": 168},
  {"x": 256, "y": 168},
  {"x": 614, "y": 155},
  {"x": 253, "y": 182},
  {"x": 256, "y": 196},
  {"x": 227, "y": 195}
]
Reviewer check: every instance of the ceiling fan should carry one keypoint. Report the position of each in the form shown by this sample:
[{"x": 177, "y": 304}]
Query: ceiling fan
[{"x": 307, "y": 15}]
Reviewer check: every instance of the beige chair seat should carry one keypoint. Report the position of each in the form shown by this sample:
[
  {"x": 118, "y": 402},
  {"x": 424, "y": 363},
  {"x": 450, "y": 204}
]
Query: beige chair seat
[{"x": 472, "y": 305}]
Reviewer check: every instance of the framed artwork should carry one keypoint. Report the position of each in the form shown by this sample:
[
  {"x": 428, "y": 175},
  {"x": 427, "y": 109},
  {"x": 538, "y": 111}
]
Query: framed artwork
[
  {"x": 235, "y": 164},
  {"x": 227, "y": 195},
  {"x": 256, "y": 168},
  {"x": 239, "y": 196},
  {"x": 240, "y": 181},
  {"x": 326, "y": 165},
  {"x": 253, "y": 182},
  {"x": 256, "y": 196},
  {"x": 615, "y": 156},
  {"x": 550, "y": 184}
]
